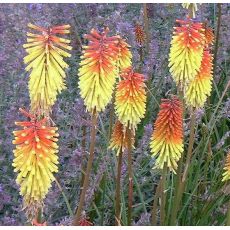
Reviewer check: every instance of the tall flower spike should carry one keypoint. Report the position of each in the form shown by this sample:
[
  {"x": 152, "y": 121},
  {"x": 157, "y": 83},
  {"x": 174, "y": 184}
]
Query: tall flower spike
[
  {"x": 200, "y": 88},
  {"x": 139, "y": 34},
  {"x": 124, "y": 54},
  {"x": 226, "y": 174},
  {"x": 35, "y": 159},
  {"x": 98, "y": 70},
  {"x": 167, "y": 138},
  {"x": 118, "y": 138},
  {"x": 186, "y": 51},
  {"x": 45, "y": 61},
  {"x": 130, "y": 101}
]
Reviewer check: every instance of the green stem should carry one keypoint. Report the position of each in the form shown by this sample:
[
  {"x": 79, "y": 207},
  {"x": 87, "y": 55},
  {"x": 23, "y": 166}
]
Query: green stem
[
  {"x": 217, "y": 38},
  {"x": 228, "y": 215},
  {"x": 140, "y": 51},
  {"x": 88, "y": 170},
  {"x": 216, "y": 48},
  {"x": 147, "y": 40},
  {"x": 146, "y": 26},
  {"x": 130, "y": 175},
  {"x": 179, "y": 169},
  {"x": 83, "y": 145},
  {"x": 155, "y": 202},
  {"x": 181, "y": 184},
  {"x": 65, "y": 198},
  {"x": 118, "y": 191},
  {"x": 163, "y": 195},
  {"x": 39, "y": 216},
  {"x": 190, "y": 146}
]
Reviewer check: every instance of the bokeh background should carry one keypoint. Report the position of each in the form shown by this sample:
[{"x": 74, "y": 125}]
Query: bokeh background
[{"x": 70, "y": 116}]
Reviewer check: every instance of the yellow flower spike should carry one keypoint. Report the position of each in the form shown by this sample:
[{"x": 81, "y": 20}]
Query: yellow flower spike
[
  {"x": 186, "y": 51},
  {"x": 45, "y": 61},
  {"x": 35, "y": 160},
  {"x": 167, "y": 138},
  {"x": 98, "y": 70},
  {"x": 124, "y": 54},
  {"x": 226, "y": 174},
  {"x": 200, "y": 88},
  {"x": 130, "y": 100}
]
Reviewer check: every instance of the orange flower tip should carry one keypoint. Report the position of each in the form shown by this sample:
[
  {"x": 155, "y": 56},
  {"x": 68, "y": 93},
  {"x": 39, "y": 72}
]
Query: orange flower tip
[
  {"x": 39, "y": 146},
  {"x": 13, "y": 142},
  {"x": 43, "y": 127},
  {"x": 40, "y": 155},
  {"x": 26, "y": 142},
  {"x": 16, "y": 123},
  {"x": 23, "y": 134},
  {"x": 37, "y": 139}
]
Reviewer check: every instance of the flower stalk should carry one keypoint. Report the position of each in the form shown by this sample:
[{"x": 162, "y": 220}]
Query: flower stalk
[
  {"x": 228, "y": 215},
  {"x": 130, "y": 174},
  {"x": 146, "y": 26},
  {"x": 217, "y": 37},
  {"x": 181, "y": 184},
  {"x": 155, "y": 202},
  {"x": 83, "y": 145},
  {"x": 163, "y": 195},
  {"x": 88, "y": 169},
  {"x": 118, "y": 190}
]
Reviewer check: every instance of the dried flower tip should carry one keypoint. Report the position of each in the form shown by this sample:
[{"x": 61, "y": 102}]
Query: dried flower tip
[{"x": 140, "y": 34}]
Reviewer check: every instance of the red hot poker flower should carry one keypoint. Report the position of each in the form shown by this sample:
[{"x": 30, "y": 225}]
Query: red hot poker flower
[
  {"x": 167, "y": 138},
  {"x": 130, "y": 100},
  {"x": 186, "y": 51},
  {"x": 35, "y": 159},
  {"x": 98, "y": 70}
]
